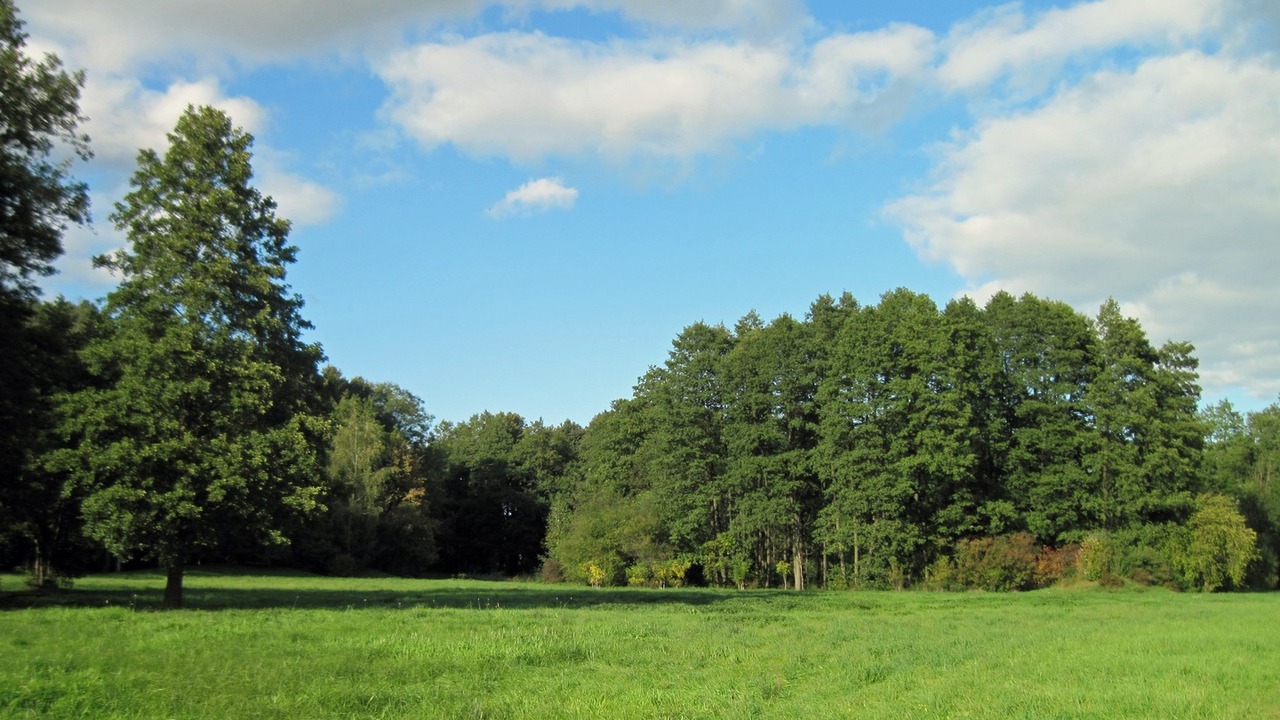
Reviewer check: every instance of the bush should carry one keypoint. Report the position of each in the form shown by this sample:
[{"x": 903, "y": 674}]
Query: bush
[
  {"x": 941, "y": 575},
  {"x": 1055, "y": 565},
  {"x": 1141, "y": 576},
  {"x": 1110, "y": 580},
  {"x": 552, "y": 571},
  {"x": 1006, "y": 562},
  {"x": 638, "y": 575},
  {"x": 1097, "y": 556},
  {"x": 670, "y": 572},
  {"x": 1219, "y": 546}
]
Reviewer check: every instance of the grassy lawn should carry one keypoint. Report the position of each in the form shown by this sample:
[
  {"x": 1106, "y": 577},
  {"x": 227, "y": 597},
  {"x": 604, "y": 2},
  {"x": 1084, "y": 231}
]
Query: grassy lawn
[{"x": 276, "y": 645}]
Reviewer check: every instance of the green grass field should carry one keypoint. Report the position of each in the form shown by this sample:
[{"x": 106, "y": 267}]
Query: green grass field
[{"x": 274, "y": 645}]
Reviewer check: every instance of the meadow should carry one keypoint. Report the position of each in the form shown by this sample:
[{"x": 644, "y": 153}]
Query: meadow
[{"x": 281, "y": 645}]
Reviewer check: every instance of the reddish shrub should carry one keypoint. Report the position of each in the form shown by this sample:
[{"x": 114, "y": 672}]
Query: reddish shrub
[
  {"x": 1006, "y": 562},
  {"x": 1052, "y": 565}
]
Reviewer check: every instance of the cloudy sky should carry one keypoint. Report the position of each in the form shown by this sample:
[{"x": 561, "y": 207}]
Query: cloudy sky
[{"x": 517, "y": 206}]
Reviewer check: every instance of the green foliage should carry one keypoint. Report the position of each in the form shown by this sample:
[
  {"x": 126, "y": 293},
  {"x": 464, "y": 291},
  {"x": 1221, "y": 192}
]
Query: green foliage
[
  {"x": 858, "y": 447},
  {"x": 204, "y": 428},
  {"x": 1259, "y": 491},
  {"x": 39, "y": 518},
  {"x": 499, "y": 476},
  {"x": 1097, "y": 556},
  {"x": 1219, "y": 545},
  {"x": 609, "y": 533},
  {"x": 1003, "y": 563},
  {"x": 39, "y": 120},
  {"x": 39, "y": 113},
  {"x": 1148, "y": 554}
]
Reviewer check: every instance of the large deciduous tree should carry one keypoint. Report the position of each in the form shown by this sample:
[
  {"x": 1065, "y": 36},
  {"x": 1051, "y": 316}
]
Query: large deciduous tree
[
  {"x": 205, "y": 426},
  {"x": 39, "y": 117}
]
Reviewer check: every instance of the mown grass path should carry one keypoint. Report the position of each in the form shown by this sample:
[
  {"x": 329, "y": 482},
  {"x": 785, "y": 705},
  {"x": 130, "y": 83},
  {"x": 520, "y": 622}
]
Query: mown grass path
[{"x": 255, "y": 645}]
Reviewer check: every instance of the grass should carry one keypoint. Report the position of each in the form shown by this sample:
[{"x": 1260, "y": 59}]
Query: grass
[{"x": 278, "y": 645}]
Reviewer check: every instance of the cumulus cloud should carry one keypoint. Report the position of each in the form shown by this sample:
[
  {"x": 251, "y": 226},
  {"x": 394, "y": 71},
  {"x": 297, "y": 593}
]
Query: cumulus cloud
[
  {"x": 1004, "y": 41},
  {"x": 80, "y": 243},
  {"x": 753, "y": 16},
  {"x": 301, "y": 201},
  {"x": 526, "y": 96},
  {"x": 124, "y": 34},
  {"x": 125, "y": 116},
  {"x": 535, "y": 196},
  {"x": 1158, "y": 186}
]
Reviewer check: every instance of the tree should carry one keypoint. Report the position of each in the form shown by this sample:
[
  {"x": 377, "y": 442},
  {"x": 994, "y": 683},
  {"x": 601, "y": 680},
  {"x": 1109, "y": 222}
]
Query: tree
[
  {"x": 1045, "y": 349},
  {"x": 205, "y": 426},
  {"x": 1220, "y": 546},
  {"x": 40, "y": 525},
  {"x": 770, "y": 432},
  {"x": 1260, "y": 492},
  {"x": 1120, "y": 403},
  {"x": 493, "y": 519},
  {"x": 379, "y": 503},
  {"x": 685, "y": 405},
  {"x": 1227, "y": 450},
  {"x": 894, "y": 434},
  {"x": 39, "y": 115}
]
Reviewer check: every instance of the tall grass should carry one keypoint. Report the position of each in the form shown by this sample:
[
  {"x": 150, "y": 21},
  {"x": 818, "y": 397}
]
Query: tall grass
[{"x": 281, "y": 646}]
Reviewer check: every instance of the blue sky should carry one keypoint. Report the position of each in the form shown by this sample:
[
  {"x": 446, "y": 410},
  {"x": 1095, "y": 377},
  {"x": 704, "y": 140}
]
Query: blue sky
[{"x": 517, "y": 206}]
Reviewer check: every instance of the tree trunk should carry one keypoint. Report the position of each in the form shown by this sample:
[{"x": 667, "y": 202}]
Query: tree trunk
[
  {"x": 797, "y": 567},
  {"x": 857, "y": 572},
  {"x": 823, "y": 579},
  {"x": 173, "y": 585}
]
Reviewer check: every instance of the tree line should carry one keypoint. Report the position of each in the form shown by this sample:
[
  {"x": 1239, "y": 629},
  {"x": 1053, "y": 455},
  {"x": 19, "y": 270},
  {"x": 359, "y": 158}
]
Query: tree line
[
  {"x": 186, "y": 418},
  {"x": 900, "y": 443}
]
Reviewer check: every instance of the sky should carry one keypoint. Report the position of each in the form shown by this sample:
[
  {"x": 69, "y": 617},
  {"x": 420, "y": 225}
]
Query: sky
[{"x": 518, "y": 206}]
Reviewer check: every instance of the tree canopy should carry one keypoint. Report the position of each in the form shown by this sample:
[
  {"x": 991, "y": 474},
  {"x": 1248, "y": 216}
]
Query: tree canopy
[{"x": 205, "y": 425}]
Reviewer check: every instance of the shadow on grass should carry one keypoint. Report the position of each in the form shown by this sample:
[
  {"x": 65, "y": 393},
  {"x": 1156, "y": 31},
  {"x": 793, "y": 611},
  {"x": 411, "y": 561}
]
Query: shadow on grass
[{"x": 432, "y": 594}]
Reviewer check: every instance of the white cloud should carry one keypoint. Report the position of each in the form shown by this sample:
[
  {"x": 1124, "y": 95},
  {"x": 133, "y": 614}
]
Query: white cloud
[
  {"x": 80, "y": 244},
  {"x": 1003, "y": 42},
  {"x": 125, "y": 34},
  {"x": 538, "y": 195},
  {"x": 299, "y": 200},
  {"x": 1157, "y": 186},
  {"x": 125, "y": 117},
  {"x": 526, "y": 96},
  {"x": 762, "y": 17}
]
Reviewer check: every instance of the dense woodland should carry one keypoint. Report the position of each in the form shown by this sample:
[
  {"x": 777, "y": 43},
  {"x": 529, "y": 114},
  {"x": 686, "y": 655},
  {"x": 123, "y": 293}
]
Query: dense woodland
[{"x": 185, "y": 418}]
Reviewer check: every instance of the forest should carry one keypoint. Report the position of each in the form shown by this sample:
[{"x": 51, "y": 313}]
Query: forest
[{"x": 185, "y": 418}]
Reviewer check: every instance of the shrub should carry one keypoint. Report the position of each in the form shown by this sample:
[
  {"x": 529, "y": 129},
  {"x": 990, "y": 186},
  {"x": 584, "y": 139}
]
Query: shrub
[
  {"x": 1141, "y": 576},
  {"x": 552, "y": 571},
  {"x": 670, "y": 572},
  {"x": 594, "y": 574},
  {"x": 941, "y": 575},
  {"x": 1054, "y": 565},
  {"x": 1006, "y": 562},
  {"x": 1097, "y": 556},
  {"x": 1110, "y": 580},
  {"x": 783, "y": 568},
  {"x": 1148, "y": 565},
  {"x": 638, "y": 575},
  {"x": 1220, "y": 545}
]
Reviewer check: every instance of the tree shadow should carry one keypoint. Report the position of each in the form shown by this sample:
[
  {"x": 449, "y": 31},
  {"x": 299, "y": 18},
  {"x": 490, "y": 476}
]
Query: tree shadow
[{"x": 476, "y": 596}]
